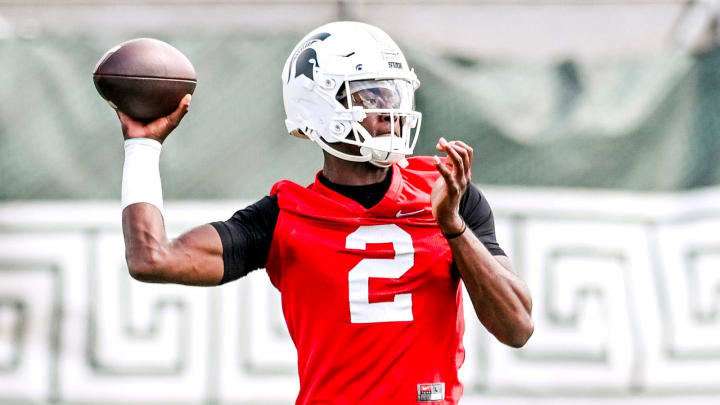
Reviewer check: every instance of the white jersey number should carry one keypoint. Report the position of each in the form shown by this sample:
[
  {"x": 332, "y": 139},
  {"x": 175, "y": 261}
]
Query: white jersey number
[{"x": 361, "y": 310}]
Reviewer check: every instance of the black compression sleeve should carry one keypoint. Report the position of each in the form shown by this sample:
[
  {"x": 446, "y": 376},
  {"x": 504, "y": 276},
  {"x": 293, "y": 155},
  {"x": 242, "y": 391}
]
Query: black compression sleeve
[
  {"x": 478, "y": 216},
  {"x": 246, "y": 238}
]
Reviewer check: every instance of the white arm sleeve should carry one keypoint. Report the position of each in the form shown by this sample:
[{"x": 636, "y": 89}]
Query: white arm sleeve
[{"x": 141, "y": 173}]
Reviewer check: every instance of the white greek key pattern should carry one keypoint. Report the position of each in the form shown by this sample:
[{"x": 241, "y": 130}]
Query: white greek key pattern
[{"x": 626, "y": 293}]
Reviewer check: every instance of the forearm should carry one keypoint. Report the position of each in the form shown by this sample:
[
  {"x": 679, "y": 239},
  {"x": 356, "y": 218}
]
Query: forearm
[
  {"x": 146, "y": 242},
  {"x": 142, "y": 202},
  {"x": 501, "y": 299},
  {"x": 195, "y": 258}
]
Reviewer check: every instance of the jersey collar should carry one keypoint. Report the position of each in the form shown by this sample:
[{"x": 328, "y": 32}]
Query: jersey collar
[{"x": 386, "y": 205}]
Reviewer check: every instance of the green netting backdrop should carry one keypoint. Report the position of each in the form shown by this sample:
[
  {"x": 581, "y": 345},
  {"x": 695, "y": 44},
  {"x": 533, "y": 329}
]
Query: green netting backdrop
[{"x": 648, "y": 123}]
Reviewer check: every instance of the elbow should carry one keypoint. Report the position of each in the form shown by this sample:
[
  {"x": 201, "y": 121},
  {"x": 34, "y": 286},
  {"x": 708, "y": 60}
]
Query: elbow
[
  {"x": 519, "y": 334},
  {"x": 519, "y": 339},
  {"x": 148, "y": 268},
  {"x": 522, "y": 327}
]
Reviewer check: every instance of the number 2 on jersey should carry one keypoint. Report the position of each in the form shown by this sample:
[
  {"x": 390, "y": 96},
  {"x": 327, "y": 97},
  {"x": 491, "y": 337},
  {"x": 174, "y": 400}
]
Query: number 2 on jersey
[{"x": 361, "y": 309}]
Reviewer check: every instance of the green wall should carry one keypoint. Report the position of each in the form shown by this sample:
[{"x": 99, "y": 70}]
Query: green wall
[{"x": 643, "y": 124}]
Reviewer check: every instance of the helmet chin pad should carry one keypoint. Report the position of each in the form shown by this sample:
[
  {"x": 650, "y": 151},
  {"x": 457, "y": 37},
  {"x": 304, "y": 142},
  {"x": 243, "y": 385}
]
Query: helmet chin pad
[
  {"x": 380, "y": 151},
  {"x": 381, "y": 157}
]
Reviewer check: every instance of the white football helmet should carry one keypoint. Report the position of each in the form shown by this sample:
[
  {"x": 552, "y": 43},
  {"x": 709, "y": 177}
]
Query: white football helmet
[{"x": 361, "y": 60}]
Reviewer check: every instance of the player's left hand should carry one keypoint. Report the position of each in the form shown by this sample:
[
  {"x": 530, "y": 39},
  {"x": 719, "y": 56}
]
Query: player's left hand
[{"x": 450, "y": 187}]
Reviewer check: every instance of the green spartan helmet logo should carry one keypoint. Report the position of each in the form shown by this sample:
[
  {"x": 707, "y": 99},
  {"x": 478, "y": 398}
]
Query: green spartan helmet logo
[{"x": 306, "y": 61}]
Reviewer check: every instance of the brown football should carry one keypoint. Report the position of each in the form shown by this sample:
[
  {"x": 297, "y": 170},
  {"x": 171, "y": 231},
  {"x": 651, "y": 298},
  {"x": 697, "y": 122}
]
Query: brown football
[{"x": 145, "y": 78}]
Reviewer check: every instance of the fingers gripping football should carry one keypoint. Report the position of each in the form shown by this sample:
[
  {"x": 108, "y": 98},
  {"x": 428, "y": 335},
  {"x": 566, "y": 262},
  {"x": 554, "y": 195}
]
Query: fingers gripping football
[
  {"x": 449, "y": 189},
  {"x": 158, "y": 129}
]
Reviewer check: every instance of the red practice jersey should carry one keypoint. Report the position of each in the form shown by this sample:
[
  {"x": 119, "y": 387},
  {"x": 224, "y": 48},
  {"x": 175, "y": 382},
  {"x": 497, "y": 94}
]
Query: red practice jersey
[{"x": 368, "y": 295}]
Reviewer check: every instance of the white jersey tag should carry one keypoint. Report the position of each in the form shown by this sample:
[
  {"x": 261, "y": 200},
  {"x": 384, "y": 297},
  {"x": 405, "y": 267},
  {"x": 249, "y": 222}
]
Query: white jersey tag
[{"x": 430, "y": 392}]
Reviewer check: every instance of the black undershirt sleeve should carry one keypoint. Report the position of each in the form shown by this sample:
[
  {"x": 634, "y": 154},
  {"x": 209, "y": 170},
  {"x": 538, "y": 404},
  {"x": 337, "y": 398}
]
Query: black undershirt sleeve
[
  {"x": 478, "y": 216},
  {"x": 246, "y": 238}
]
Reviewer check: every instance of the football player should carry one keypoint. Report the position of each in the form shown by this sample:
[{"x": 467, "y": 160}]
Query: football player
[{"x": 369, "y": 257}]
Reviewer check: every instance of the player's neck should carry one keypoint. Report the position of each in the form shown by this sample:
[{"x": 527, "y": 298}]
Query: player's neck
[{"x": 348, "y": 173}]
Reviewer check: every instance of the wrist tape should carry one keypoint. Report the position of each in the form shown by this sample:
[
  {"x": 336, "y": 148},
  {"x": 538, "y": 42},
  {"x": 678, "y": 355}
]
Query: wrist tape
[{"x": 141, "y": 173}]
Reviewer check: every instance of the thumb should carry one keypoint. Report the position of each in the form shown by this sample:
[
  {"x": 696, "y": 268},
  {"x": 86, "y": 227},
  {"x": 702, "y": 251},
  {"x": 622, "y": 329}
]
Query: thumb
[
  {"x": 124, "y": 119},
  {"x": 176, "y": 116},
  {"x": 125, "y": 122}
]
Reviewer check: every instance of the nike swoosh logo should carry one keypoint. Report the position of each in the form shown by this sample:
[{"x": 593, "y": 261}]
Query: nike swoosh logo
[{"x": 401, "y": 214}]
